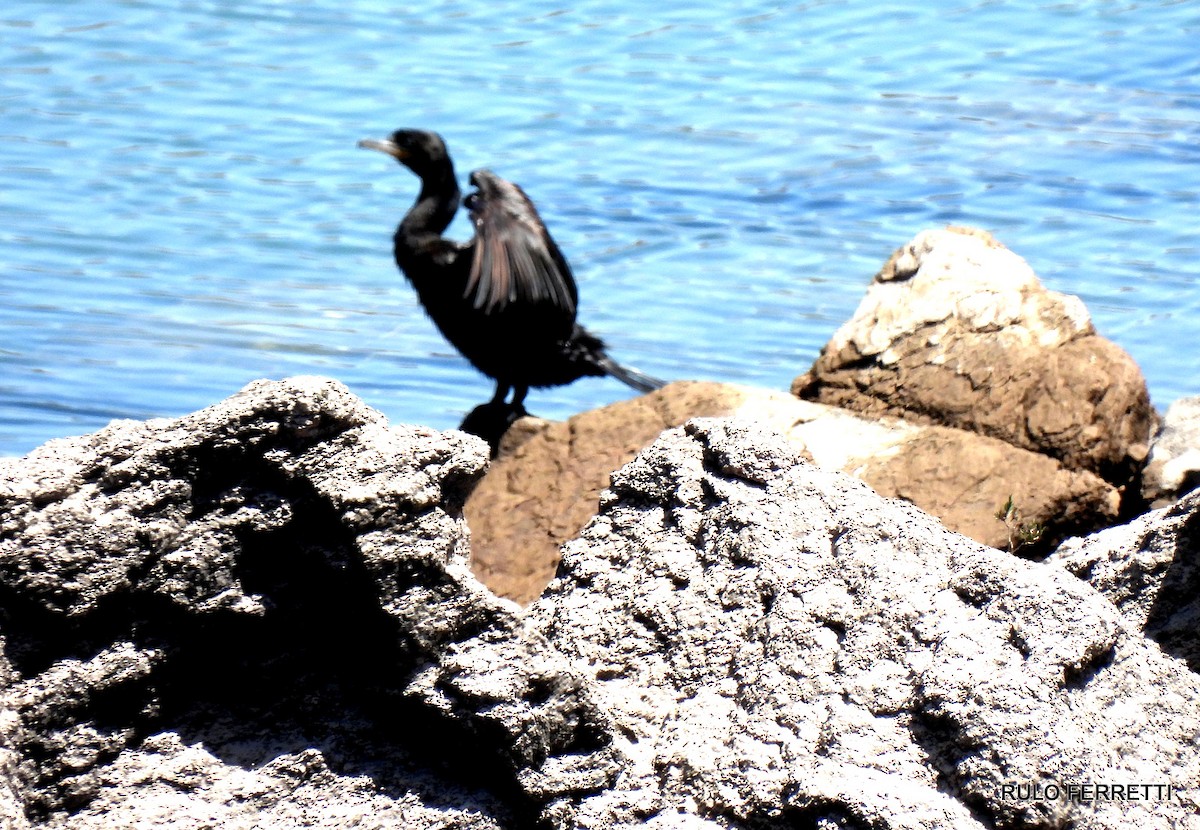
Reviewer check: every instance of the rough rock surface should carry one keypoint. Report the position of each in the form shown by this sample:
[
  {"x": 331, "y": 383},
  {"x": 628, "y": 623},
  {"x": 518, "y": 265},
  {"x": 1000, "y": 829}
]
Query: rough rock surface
[
  {"x": 1150, "y": 570},
  {"x": 261, "y": 616},
  {"x": 546, "y": 484},
  {"x": 1174, "y": 465},
  {"x": 257, "y": 616},
  {"x": 957, "y": 330},
  {"x": 780, "y": 647}
]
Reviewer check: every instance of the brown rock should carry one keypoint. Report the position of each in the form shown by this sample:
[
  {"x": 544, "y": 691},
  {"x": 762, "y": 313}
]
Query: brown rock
[
  {"x": 966, "y": 480},
  {"x": 957, "y": 330},
  {"x": 544, "y": 486},
  {"x": 546, "y": 483}
]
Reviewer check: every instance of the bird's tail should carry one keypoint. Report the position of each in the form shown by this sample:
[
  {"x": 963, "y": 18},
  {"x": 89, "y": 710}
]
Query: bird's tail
[
  {"x": 630, "y": 377},
  {"x": 586, "y": 351}
]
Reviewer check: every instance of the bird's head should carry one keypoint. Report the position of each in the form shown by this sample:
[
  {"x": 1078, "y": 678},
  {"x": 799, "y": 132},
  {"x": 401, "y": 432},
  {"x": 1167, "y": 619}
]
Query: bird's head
[{"x": 420, "y": 151}]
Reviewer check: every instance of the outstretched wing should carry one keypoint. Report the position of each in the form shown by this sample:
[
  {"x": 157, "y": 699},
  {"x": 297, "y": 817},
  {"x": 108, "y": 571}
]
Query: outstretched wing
[{"x": 515, "y": 260}]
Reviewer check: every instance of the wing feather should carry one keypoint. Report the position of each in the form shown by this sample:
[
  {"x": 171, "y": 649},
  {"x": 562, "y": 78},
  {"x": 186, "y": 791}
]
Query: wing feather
[{"x": 515, "y": 259}]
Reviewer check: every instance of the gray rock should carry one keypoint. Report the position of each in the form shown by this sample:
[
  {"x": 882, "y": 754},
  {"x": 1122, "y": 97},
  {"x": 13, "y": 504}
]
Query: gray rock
[
  {"x": 1150, "y": 570},
  {"x": 780, "y": 647},
  {"x": 1174, "y": 465},
  {"x": 257, "y": 616},
  {"x": 261, "y": 616}
]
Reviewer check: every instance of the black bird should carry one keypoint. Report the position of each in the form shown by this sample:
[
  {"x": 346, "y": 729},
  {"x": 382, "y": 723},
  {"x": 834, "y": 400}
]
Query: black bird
[{"x": 505, "y": 299}]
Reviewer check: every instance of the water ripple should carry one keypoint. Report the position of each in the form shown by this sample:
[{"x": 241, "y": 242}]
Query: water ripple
[{"x": 183, "y": 209}]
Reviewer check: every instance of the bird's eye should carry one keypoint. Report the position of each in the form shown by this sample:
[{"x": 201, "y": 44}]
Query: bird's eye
[{"x": 471, "y": 202}]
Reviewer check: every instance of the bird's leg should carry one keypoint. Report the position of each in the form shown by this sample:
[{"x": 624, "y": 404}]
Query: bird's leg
[
  {"x": 518, "y": 401},
  {"x": 501, "y": 393}
]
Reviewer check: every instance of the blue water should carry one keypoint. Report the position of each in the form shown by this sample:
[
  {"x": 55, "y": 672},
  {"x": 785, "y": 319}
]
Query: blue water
[{"x": 183, "y": 208}]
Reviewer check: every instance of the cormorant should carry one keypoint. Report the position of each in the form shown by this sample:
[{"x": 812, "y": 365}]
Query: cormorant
[{"x": 505, "y": 299}]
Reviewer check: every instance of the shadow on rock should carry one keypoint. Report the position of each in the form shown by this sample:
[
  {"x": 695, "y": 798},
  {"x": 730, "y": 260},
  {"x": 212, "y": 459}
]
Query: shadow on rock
[
  {"x": 256, "y": 611},
  {"x": 1150, "y": 570}
]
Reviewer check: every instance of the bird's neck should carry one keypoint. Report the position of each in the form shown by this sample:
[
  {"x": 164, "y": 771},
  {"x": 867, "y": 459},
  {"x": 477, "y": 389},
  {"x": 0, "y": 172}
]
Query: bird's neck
[{"x": 436, "y": 205}]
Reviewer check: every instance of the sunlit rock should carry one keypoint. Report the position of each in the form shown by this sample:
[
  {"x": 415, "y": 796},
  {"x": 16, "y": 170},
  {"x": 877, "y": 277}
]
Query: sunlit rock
[{"x": 957, "y": 330}]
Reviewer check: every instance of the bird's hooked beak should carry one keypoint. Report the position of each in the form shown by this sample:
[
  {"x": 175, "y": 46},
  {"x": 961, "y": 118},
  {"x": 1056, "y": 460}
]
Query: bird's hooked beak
[{"x": 385, "y": 146}]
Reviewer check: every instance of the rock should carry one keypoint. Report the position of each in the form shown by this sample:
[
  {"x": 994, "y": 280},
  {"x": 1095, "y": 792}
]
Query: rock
[
  {"x": 957, "y": 330},
  {"x": 546, "y": 483},
  {"x": 544, "y": 486},
  {"x": 969, "y": 480},
  {"x": 1174, "y": 465},
  {"x": 258, "y": 616},
  {"x": 491, "y": 421},
  {"x": 1150, "y": 570},
  {"x": 778, "y": 646},
  {"x": 169, "y": 503},
  {"x": 261, "y": 616}
]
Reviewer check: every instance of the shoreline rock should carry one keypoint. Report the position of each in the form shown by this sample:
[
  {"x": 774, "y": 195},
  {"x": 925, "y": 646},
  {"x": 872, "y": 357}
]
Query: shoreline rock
[
  {"x": 264, "y": 615},
  {"x": 961, "y": 385},
  {"x": 957, "y": 330},
  {"x": 545, "y": 484},
  {"x": 1150, "y": 570},
  {"x": 251, "y": 616},
  {"x": 1173, "y": 469},
  {"x": 261, "y": 615},
  {"x": 825, "y": 655}
]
